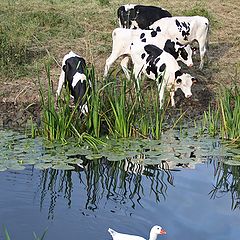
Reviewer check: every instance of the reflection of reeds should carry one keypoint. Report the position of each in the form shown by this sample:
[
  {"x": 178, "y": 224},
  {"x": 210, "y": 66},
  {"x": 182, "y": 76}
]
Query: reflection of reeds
[
  {"x": 55, "y": 182},
  {"x": 227, "y": 181},
  {"x": 121, "y": 182}
]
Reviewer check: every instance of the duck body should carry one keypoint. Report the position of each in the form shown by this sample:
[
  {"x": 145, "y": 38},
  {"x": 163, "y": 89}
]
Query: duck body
[
  {"x": 123, "y": 236},
  {"x": 155, "y": 231}
]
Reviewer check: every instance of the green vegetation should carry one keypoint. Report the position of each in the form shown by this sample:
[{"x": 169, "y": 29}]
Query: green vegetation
[
  {"x": 7, "y": 236},
  {"x": 200, "y": 10},
  {"x": 115, "y": 109},
  {"x": 35, "y": 31},
  {"x": 223, "y": 118}
]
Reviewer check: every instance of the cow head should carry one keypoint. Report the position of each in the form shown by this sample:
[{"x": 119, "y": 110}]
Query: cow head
[{"x": 184, "y": 82}]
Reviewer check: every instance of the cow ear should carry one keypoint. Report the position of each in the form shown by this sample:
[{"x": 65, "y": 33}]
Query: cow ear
[
  {"x": 194, "y": 80},
  {"x": 179, "y": 80}
]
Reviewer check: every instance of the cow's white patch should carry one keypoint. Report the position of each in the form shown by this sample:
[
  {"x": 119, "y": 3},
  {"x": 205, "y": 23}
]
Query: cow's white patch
[
  {"x": 78, "y": 77},
  {"x": 129, "y": 6}
]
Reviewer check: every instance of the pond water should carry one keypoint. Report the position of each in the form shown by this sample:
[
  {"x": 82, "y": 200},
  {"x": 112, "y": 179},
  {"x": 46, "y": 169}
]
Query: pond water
[{"x": 196, "y": 197}]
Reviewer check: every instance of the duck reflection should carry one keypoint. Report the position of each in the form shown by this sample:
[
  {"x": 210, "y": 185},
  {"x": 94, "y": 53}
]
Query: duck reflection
[{"x": 102, "y": 180}]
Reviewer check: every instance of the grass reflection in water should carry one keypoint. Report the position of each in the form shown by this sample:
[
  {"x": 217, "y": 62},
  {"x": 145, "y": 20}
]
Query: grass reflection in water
[{"x": 103, "y": 180}]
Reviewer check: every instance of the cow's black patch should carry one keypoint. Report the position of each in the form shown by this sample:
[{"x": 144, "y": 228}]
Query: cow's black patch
[
  {"x": 156, "y": 60},
  {"x": 183, "y": 53},
  {"x": 179, "y": 80},
  {"x": 160, "y": 77},
  {"x": 184, "y": 25},
  {"x": 143, "y": 55},
  {"x": 143, "y": 15},
  {"x": 178, "y": 23},
  {"x": 162, "y": 67},
  {"x": 74, "y": 65},
  {"x": 158, "y": 29},
  {"x": 153, "y": 33},
  {"x": 169, "y": 47},
  {"x": 142, "y": 35},
  {"x": 144, "y": 40},
  {"x": 178, "y": 73},
  {"x": 153, "y": 52}
]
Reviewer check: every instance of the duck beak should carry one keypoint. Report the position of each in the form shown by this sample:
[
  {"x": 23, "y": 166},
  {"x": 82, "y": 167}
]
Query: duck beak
[{"x": 163, "y": 231}]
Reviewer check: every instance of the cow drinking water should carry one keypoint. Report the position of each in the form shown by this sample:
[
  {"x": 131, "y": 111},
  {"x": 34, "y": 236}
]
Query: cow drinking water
[{"x": 73, "y": 76}]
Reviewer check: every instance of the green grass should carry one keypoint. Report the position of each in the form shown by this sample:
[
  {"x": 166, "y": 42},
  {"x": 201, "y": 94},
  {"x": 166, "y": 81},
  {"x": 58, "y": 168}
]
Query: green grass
[
  {"x": 7, "y": 236},
  {"x": 200, "y": 10},
  {"x": 223, "y": 118},
  {"x": 31, "y": 32},
  {"x": 115, "y": 110}
]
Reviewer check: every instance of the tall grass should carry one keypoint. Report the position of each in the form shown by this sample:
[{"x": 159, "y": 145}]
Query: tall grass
[
  {"x": 62, "y": 122},
  {"x": 7, "y": 236},
  {"x": 115, "y": 108},
  {"x": 134, "y": 113},
  {"x": 224, "y": 117}
]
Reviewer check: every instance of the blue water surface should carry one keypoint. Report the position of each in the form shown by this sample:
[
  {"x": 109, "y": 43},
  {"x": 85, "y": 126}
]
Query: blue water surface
[{"x": 82, "y": 204}]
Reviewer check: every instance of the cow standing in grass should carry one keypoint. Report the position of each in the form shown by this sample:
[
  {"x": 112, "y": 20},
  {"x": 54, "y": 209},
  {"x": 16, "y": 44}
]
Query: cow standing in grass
[
  {"x": 73, "y": 76},
  {"x": 139, "y": 16},
  {"x": 161, "y": 66},
  {"x": 123, "y": 39},
  {"x": 185, "y": 30}
]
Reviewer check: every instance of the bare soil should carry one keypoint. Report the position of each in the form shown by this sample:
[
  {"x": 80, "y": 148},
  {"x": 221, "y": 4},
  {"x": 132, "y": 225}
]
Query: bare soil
[{"x": 19, "y": 98}]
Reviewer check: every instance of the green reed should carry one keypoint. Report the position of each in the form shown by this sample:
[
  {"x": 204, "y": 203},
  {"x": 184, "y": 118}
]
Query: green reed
[
  {"x": 63, "y": 121},
  {"x": 115, "y": 108},
  {"x": 7, "y": 236},
  {"x": 224, "y": 117},
  {"x": 122, "y": 110},
  {"x": 134, "y": 113}
]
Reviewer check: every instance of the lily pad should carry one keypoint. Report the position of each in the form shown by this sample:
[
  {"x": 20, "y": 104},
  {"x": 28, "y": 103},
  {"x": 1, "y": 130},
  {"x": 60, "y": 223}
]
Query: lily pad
[
  {"x": 43, "y": 166},
  {"x": 232, "y": 162},
  {"x": 63, "y": 166}
]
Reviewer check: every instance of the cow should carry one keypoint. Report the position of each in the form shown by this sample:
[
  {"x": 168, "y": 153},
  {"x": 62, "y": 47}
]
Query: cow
[
  {"x": 123, "y": 39},
  {"x": 139, "y": 16},
  {"x": 161, "y": 66},
  {"x": 73, "y": 76},
  {"x": 185, "y": 30}
]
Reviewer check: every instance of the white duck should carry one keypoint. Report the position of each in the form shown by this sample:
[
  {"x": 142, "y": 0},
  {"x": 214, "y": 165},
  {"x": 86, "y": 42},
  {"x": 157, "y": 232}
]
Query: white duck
[{"x": 121, "y": 236}]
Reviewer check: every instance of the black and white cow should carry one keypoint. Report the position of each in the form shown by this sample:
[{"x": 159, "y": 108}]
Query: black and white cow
[
  {"x": 123, "y": 39},
  {"x": 161, "y": 66},
  {"x": 73, "y": 76},
  {"x": 139, "y": 16},
  {"x": 186, "y": 30}
]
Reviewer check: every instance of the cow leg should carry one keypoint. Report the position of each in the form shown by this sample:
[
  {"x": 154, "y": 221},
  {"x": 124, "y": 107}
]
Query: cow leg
[
  {"x": 124, "y": 65},
  {"x": 203, "y": 42},
  {"x": 172, "y": 93},
  {"x": 108, "y": 64},
  {"x": 137, "y": 71},
  {"x": 161, "y": 90},
  {"x": 60, "y": 83}
]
